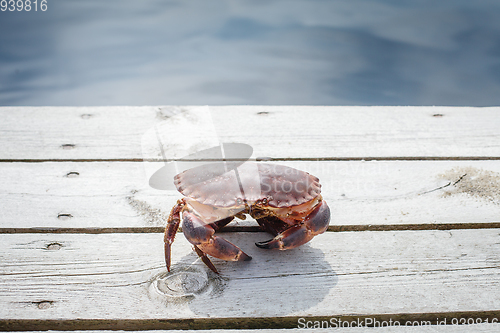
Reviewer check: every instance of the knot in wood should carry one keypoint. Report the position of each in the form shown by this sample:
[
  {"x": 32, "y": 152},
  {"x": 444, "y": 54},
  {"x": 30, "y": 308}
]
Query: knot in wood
[
  {"x": 54, "y": 246},
  {"x": 182, "y": 284}
]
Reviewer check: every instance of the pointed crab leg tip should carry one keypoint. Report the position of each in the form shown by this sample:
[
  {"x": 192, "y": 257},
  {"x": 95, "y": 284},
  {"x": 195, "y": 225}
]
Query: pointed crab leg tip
[
  {"x": 212, "y": 268},
  {"x": 244, "y": 257},
  {"x": 168, "y": 266}
]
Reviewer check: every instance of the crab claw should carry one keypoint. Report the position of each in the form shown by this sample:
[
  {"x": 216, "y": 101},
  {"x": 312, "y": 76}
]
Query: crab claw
[
  {"x": 201, "y": 235},
  {"x": 314, "y": 224}
]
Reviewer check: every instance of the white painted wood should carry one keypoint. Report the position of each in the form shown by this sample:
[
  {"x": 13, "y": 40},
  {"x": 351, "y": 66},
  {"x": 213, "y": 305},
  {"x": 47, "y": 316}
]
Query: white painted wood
[
  {"x": 272, "y": 131},
  {"x": 117, "y": 194},
  {"x": 122, "y": 276},
  {"x": 117, "y": 276}
]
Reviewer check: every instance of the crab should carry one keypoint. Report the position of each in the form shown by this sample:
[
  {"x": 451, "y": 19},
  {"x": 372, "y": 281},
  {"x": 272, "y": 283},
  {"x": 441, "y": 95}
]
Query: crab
[{"x": 285, "y": 202}]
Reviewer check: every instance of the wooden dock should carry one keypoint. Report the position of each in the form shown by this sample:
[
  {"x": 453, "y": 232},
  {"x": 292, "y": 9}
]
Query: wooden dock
[{"x": 414, "y": 237}]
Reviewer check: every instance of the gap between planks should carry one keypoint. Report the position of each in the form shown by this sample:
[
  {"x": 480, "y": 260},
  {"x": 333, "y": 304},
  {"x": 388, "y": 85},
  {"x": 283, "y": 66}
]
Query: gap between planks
[
  {"x": 292, "y": 322},
  {"x": 331, "y": 228}
]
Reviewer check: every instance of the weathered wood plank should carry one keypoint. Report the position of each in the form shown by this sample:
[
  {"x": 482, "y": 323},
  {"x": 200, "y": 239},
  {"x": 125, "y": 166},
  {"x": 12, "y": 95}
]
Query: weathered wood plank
[
  {"x": 97, "y": 133},
  {"x": 117, "y": 194},
  {"x": 480, "y": 328},
  {"x": 222, "y": 325},
  {"x": 117, "y": 276}
]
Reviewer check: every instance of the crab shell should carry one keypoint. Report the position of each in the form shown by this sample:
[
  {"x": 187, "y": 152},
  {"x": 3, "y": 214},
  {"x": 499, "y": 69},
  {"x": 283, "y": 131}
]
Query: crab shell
[{"x": 239, "y": 186}]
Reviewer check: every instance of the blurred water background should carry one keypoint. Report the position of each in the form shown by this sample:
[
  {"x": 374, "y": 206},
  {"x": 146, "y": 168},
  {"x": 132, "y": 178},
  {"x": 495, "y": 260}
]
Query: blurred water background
[{"x": 314, "y": 52}]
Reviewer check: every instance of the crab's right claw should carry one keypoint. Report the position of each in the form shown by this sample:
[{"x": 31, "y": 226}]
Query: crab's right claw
[
  {"x": 201, "y": 235},
  {"x": 314, "y": 224}
]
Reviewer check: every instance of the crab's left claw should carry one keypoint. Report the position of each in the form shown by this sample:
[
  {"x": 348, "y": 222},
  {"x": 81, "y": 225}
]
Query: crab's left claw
[
  {"x": 314, "y": 224},
  {"x": 201, "y": 235}
]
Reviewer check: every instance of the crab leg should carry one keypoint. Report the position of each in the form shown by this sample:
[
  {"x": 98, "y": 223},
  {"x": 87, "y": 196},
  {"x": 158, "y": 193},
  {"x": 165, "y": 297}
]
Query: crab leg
[
  {"x": 217, "y": 225},
  {"x": 314, "y": 224},
  {"x": 205, "y": 259},
  {"x": 272, "y": 225},
  {"x": 171, "y": 229},
  {"x": 201, "y": 235}
]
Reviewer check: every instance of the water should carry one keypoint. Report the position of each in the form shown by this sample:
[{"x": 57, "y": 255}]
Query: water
[{"x": 391, "y": 52}]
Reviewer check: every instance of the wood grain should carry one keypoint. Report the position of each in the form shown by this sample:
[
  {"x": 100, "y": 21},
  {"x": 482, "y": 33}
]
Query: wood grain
[
  {"x": 312, "y": 132},
  {"x": 363, "y": 273},
  {"x": 117, "y": 194},
  {"x": 76, "y": 177}
]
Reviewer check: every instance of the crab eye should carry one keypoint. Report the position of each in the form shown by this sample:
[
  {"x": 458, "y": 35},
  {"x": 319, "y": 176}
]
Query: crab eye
[
  {"x": 239, "y": 201},
  {"x": 264, "y": 201}
]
